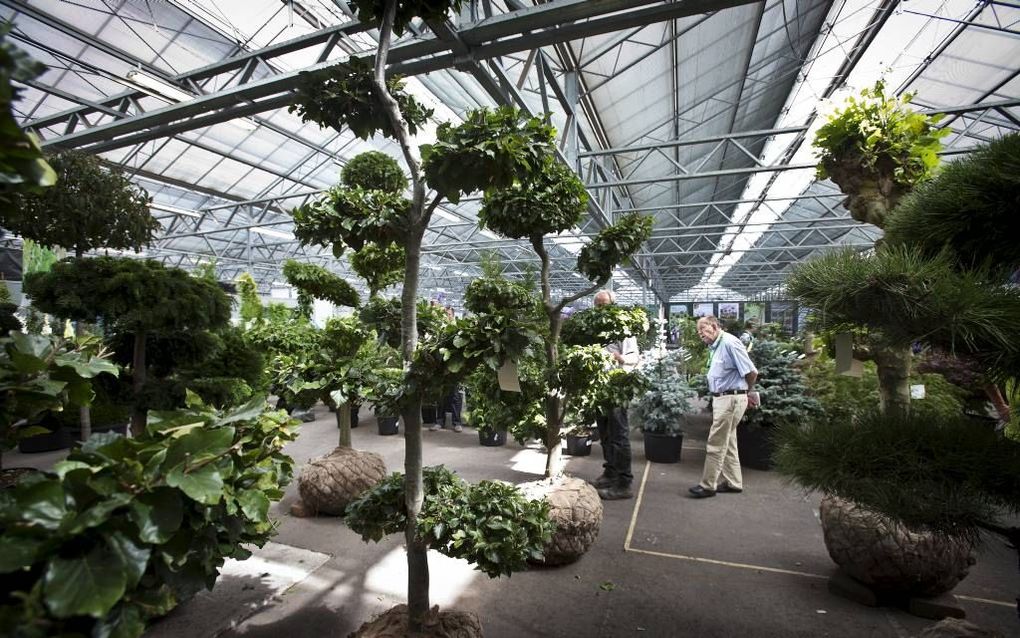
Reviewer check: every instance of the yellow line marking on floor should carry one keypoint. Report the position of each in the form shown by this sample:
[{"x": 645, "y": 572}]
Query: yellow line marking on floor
[
  {"x": 987, "y": 601},
  {"x": 637, "y": 506},
  {"x": 711, "y": 561}
]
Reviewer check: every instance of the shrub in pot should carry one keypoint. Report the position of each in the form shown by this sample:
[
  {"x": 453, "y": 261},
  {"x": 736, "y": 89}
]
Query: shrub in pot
[
  {"x": 663, "y": 405},
  {"x": 785, "y": 398}
]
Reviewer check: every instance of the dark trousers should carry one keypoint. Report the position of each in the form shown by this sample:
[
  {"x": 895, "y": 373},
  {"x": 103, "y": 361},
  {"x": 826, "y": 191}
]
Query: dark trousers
[
  {"x": 453, "y": 403},
  {"x": 614, "y": 433}
]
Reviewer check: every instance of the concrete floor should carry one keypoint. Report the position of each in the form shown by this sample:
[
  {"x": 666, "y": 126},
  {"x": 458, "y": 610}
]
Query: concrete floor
[{"x": 749, "y": 564}]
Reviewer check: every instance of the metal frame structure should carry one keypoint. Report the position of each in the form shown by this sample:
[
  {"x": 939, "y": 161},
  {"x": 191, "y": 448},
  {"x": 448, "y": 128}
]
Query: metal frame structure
[{"x": 671, "y": 108}]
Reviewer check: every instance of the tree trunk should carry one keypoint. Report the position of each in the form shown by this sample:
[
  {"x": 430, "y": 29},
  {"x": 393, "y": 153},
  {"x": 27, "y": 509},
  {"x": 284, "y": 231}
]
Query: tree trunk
[
  {"x": 84, "y": 412},
  {"x": 138, "y": 372},
  {"x": 894, "y": 380},
  {"x": 553, "y": 403},
  {"x": 343, "y": 423}
]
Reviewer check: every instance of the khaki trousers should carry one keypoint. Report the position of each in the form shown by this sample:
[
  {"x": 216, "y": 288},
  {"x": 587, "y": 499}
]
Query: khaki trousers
[{"x": 721, "y": 450}]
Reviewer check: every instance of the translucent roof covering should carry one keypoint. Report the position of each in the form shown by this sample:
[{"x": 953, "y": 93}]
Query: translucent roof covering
[{"x": 702, "y": 120}]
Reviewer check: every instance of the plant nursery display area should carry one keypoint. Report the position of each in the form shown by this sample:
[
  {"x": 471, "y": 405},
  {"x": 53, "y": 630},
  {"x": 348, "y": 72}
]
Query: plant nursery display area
[{"x": 385, "y": 318}]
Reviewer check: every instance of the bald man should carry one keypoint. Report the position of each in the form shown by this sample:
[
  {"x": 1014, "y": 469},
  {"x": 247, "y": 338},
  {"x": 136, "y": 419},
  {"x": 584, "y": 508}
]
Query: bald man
[
  {"x": 614, "y": 429},
  {"x": 731, "y": 377}
]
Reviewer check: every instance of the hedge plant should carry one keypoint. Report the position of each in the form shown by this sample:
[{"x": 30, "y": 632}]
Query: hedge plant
[{"x": 125, "y": 529}]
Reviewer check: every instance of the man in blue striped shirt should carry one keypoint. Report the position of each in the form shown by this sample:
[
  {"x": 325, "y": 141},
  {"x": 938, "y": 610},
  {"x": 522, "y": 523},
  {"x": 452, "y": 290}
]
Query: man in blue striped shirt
[{"x": 731, "y": 377}]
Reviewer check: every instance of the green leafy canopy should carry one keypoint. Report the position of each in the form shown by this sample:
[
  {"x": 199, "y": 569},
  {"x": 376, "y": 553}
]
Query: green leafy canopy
[
  {"x": 551, "y": 201},
  {"x": 371, "y": 11},
  {"x": 613, "y": 245},
  {"x": 602, "y": 325},
  {"x": 320, "y": 283},
  {"x": 344, "y": 95}
]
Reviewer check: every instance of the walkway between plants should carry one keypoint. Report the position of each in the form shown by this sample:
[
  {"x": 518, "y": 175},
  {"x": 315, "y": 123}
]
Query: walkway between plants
[{"x": 750, "y": 564}]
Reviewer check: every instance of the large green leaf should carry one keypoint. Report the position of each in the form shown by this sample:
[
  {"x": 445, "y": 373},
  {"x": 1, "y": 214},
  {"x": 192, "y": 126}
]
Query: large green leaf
[
  {"x": 98, "y": 514},
  {"x": 247, "y": 412},
  {"x": 126, "y": 621},
  {"x": 18, "y": 552},
  {"x": 42, "y": 503},
  {"x": 255, "y": 505},
  {"x": 157, "y": 515},
  {"x": 198, "y": 444},
  {"x": 205, "y": 484},
  {"x": 90, "y": 585},
  {"x": 135, "y": 557}
]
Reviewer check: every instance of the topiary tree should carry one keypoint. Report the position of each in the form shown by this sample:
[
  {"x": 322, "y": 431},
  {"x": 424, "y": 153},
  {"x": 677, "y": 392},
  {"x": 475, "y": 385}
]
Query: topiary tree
[
  {"x": 491, "y": 149},
  {"x": 316, "y": 282},
  {"x": 553, "y": 202},
  {"x": 132, "y": 297},
  {"x": 251, "y": 305}
]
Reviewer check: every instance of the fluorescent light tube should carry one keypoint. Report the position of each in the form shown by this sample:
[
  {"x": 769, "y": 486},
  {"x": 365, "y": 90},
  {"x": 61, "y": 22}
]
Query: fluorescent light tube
[
  {"x": 270, "y": 232},
  {"x": 158, "y": 86}
]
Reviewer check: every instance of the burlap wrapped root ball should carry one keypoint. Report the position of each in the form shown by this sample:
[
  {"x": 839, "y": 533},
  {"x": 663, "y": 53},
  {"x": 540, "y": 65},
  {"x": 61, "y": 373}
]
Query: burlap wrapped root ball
[
  {"x": 576, "y": 510},
  {"x": 446, "y": 624},
  {"x": 328, "y": 484},
  {"x": 889, "y": 557}
]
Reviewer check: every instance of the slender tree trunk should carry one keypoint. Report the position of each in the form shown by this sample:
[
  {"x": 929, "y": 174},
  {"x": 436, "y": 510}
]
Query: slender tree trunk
[
  {"x": 84, "y": 412},
  {"x": 138, "y": 372},
  {"x": 343, "y": 423},
  {"x": 894, "y": 380},
  {"x": 553, "y": 402}
]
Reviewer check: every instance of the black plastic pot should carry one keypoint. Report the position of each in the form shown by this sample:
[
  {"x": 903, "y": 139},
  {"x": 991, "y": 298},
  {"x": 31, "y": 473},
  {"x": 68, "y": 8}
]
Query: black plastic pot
[
  {"x": 662, "y": 448},
  {"x": 58, "y": 438},
  {"x": 490, "y": 438},
  {"x": 388, "y": 425},
  {"x": 578, "y": 445},
  {"x": 429, "y": 414},
  {"x": 755, "y": 447},
  {"x": 354, "y": 415}
]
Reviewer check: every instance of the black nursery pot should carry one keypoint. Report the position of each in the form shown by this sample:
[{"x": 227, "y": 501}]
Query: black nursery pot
[
  {"x": 58, "y": 437},
  {"x": 578, "y": 445},
  {"x": 755, "y": 447},
  {"x": 490, "y": 438},
  {"x": 429, "y": 413},
  {"x": 388, "y": 425},
  {"x": 662, "y": 448}
]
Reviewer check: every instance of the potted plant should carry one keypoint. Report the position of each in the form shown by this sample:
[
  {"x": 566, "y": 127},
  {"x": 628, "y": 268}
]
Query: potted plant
[
  {"x": 876, "y": 149},
  {"x": 663, "y": 405},
  {"x": 785, "y": 398},
  {"x": 927, "y": 290}
]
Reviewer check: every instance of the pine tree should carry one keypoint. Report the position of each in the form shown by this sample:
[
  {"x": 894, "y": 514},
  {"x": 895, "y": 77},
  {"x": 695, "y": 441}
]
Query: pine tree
[{"x": 785, "y": 397}]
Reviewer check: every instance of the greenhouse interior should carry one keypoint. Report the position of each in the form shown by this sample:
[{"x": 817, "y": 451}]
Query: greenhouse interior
[{"x": 515, "y": 318}]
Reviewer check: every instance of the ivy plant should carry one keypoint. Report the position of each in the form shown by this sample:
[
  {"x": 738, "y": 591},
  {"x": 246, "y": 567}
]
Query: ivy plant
[
  {"x": 490, "y": 524},
  {"x": 125, "y": 529}
]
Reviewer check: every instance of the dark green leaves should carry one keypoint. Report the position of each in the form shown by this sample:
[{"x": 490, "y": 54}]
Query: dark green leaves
[
  {"x": 373, "y": 170},
  {"x": 351, "y": 217},
  {"x": 499, "y": 295},
  {"x": 491, "y": 524},
  {"x": 157, "y": 515},
  {"x": 88, "y": 585},
  {"x": 380, "y": 266},
  {"x": 602, "y": 325},
  {"x": 492, "y": 149},
  {"x": 92, "y": 205},
  {"x": 131, "y": 526},
  {"x": 371, "y": 11},
  {"x": 551, "y": 201},
  {"x": 344, "y": 95},
  {"x": 320, "y": 283},
  {"x": 612, "y": 246}
]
